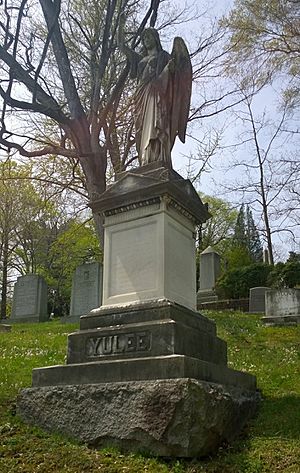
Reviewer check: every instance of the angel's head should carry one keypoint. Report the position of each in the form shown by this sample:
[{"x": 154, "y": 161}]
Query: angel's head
[{"x": 150, "y": 39}]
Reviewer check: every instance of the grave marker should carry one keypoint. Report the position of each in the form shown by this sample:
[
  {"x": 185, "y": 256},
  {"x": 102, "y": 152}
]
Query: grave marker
[
  {"x": 30, "y": 299},
  {"x": 86, "y": 290}
]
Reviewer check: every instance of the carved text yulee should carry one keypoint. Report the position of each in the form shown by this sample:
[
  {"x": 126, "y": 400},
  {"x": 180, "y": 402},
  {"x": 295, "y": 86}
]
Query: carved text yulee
[{"x": 117, "y": 344}]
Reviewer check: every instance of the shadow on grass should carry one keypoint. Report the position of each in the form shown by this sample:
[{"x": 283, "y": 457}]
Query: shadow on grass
[{"x": 278, "y": 417}]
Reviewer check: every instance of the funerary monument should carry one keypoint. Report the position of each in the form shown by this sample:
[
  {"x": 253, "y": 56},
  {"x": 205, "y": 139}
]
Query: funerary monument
[
  {"x": 257, "y": 299},
  {"x": 282, "y": 307},
  {"x": 146, "y": 372},
  {"x": 209, "y": 271},
  {"x": 30, "y": 299},
  {"x": 86, "y": 290}
]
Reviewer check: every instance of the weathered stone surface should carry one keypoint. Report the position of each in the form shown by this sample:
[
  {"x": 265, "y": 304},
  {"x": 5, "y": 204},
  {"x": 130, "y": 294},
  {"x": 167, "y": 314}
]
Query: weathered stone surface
[
  {"x": 257, "y": 299},
  {"x": 145, "y": 339},
  {"x": 30, "y": 299},
  {"x": 150, "y": 182},
  {"x": 142, "y": 311},
  {"x": 86, "y": 290},
  {"x": 282, "y": 307},
  {"x": 209, "y": 271},
  {"x": 137, "y": 369},
  {"x": 179, "y": 417}
]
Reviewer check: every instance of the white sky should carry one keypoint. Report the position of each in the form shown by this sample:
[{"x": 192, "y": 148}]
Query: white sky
[{"x": 220, "y": 173}]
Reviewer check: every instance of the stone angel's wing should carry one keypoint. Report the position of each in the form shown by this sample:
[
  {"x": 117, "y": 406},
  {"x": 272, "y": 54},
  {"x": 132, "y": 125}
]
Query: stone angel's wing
[{"x": 181, "y": 89}]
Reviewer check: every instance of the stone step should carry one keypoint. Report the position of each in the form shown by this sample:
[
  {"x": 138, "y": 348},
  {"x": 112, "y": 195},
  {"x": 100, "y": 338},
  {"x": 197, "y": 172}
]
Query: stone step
[
  {"x": 145, "y": 339},
  {"x": 155, "y": 309},
  {"x": 137, "y": 369}
]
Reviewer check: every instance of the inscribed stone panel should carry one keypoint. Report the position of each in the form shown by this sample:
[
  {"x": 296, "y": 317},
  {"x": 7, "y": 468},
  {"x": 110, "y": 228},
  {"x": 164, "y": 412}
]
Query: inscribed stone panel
[
  {"x": 132, "y": 261},
  {"x": 86, "y": 288},
  {"x": 30, "y": 298}
]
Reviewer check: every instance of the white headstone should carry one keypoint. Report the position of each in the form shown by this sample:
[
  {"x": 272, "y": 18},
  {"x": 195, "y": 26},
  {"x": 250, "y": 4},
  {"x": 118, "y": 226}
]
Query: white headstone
[
  {"x": 209, "y": 271},
  {"x": 86, "y": 290}
]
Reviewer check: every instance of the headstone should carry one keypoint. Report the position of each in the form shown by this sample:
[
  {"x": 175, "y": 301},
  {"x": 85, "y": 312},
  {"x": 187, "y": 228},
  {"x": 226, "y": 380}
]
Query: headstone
[
  {"x": 86, "y": 290},
  {"x": 282, "y": 307},
  {"x": 257, "y": 299},
  {"x": 30, "y": 299},
  {"x": 210, "y": 268},
  {"x": 145, "y": 368}
]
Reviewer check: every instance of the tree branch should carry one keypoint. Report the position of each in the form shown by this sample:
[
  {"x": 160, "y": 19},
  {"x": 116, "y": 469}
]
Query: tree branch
[
  {"x": 48, "y": 106},
  {"x": 50, "y": 13}
]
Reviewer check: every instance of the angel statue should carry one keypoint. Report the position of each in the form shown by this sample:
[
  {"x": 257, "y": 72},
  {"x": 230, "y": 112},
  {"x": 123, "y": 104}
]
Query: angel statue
[{"x": 163, "y": 95}]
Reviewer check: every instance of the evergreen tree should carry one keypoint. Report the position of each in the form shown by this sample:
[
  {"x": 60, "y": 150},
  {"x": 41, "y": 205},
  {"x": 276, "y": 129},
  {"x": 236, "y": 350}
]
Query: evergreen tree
[
  {"x": 240, "y": 232},
  {"x": 253, "y": 241},
  {"x": 247, "y": 246},
  {"x": 293, "y": 257}
]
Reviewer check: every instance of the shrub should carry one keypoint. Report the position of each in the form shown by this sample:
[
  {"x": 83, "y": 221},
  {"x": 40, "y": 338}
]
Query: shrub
[
  {"x": 235, "y": 283},
  {"x": 285, "y": 275}
]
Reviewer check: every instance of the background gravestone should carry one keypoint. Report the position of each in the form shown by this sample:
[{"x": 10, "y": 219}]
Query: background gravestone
[
  {"x": 257, "y": 299},
  {"x": 30, "y": 299},
  {"x": 86, "y": 290},
  {"x": 210, "y": 268},
  {"x": 282, "y": 307}
]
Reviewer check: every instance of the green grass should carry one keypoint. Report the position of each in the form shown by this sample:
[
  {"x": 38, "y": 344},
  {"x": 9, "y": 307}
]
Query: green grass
[{"x": 271, "y": 443}]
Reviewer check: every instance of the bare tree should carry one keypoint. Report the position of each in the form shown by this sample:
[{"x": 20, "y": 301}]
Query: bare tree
[{"x": 266, "y": 180}]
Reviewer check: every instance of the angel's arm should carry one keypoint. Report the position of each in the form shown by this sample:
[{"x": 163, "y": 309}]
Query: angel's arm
[{"x": 132, "y": 57}]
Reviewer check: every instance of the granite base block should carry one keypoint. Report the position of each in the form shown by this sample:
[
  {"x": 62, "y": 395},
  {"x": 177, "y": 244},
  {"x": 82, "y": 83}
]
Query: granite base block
[
  {"x": 141, "y": 369},
  {"x": 171, "y": 417},
  {"x": 146, "y": 339}
]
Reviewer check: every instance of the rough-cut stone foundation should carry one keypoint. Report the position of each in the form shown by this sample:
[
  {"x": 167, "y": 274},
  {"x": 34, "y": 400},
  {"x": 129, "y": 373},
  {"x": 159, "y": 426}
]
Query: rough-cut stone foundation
[{"x": 177, "y": 417}]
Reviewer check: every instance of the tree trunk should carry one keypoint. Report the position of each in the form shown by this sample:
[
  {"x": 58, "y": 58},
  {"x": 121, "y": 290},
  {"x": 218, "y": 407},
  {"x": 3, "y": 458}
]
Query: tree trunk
[
  {"x": 4, "y": 278},
  {"x": 94, "y": 168},
  {"x": 269, "y": 237},
  {"x": 93, "y": 161}
]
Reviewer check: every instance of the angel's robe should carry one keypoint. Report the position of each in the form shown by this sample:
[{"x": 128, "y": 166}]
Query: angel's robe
[
  {"x": 162, "y": 100},
  {"x": 153, "y": 104}
]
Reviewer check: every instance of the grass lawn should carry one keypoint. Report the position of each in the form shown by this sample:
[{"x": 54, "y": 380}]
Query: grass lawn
[{"x": 271, "y": 442}]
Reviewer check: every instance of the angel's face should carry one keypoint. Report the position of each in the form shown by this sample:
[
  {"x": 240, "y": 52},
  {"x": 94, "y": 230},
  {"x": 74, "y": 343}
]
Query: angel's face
[{"x": 149, "y": 41}]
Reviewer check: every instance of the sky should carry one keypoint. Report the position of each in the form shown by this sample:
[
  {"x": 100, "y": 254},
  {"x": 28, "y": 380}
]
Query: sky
[{"x": 223, "y": 173}]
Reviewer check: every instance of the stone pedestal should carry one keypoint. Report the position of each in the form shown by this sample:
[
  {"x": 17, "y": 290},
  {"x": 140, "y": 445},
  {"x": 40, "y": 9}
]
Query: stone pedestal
[
  {"x": 148, "y": 371},
  {"x": 209, "y": 271},
  {"x": 149, "y": 250}
]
